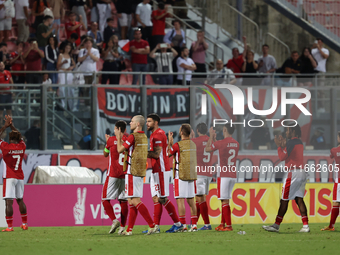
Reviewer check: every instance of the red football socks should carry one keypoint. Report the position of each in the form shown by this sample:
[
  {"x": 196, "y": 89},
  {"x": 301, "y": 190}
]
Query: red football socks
[
  {"x": 334, "y": 215},
  {"x": 198, "y": 210},
  {"x": 194, "y": 220},
  {"x": 182, "y": 219},
  {"x": 304, "y": 220},
  {"x": 124, "y": 210},
  {"x": 132, "y": 217},
  {"x": 169, "y": 206},
  {"x": 9, "y": 221},
  {"x": 227, "y": 214},
  {"x": 145, "y": 213},
  {"x": 204, "y": 212},
  {"x": 108, "y": 209},
  {"x": 157, "y": 212},
  {"x": 278, "y": 220},
  {"x": 24, "y": 218}
]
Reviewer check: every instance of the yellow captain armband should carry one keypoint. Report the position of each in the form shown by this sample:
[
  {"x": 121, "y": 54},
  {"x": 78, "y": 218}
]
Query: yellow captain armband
[{"x": 106, "y": 150}]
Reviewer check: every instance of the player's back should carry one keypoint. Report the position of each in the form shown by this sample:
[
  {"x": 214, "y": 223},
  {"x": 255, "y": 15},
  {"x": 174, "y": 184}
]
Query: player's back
[
  {"x": 13, "y": 154},
  {"x": 294, "y": 149},
  {"x": 159, "y": 139},
  {"x": 116, "y": 160},
  {"x": 203, "y": 157},
  {"x": 335, "y": 153}
]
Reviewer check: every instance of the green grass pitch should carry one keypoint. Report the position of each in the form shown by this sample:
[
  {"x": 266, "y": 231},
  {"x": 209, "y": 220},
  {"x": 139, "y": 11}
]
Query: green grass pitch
[{"x": 96, "y": 240}]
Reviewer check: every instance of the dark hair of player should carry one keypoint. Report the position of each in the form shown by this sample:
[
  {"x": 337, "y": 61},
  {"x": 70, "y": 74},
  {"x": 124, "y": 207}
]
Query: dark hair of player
[
  {"x": 15, "y": 136},
  {"x": 186, "y": 129},
  {"x": 155, "y": 117},
  {"x": 202, "y": 128},
  {"x": 230, "y": 128},
  {"x": 297, "y": 129},
  {"x": 121, "y": 124}
]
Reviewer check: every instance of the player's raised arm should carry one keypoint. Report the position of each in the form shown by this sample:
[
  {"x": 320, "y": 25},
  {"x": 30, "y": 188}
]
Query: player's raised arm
[
  {"x": 120, "y": 146},
  {"x": 171, "y": 142},
  {"x": 212, "y": 136},
  {"x": 8, "y": 122},
  {"x": 106, "y": 151}
]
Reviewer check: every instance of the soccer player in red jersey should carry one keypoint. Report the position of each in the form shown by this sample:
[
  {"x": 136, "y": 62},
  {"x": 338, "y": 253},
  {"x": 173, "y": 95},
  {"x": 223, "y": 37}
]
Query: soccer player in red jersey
[
  {"x": 160, "y": 174},
  {"x": 226, "y": 172},
  {"x": 291, "y": 152},
  {"x": 114, "y": 186},
  {"x": 204, "y": 175},
  {"x": 134, "y": 184},
  {"x": 13, "y": 176},
  {"x": 335, "y": 154},
  {"x": 183, "y": 189}
]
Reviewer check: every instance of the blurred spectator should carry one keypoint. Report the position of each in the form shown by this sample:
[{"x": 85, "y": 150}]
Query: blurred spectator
[
  {"x": 51, "y": 55},
  {"x": 308, "y": 64},
  {"x": 109, "y": 31},
  {"x": 185, "y": 65},
  {"x": 235, "y": 63},
  {"x": 85, "y": 142},
  {"x": 5, "y": 93},
  {"x": 158, "y": 20},
  {"x": 95, "y": 34},
  {"x": 22, "y": 18},
  {"x": 65, "y": 65},
  {"x": 124, "y": 12},
  {"x": 58, "y": 13},
  {"x": 72, "y": 39},
  {"x": 321, "y": 55},
  {"x": 94, "y": 10},
  {"x": 113, "y": 61},
  {"x": 273, "y": 145},
  {"x": 221, "y": 74},
  {"x": 78, "y": 7},
  {"x": 74, "y": 26},
  {"x": 292, "y": 65},
  {"x": 88, "y": 57},
  {"x": 143, "y": 17},
  {"x": 318, "y": 140},
  {"x": 249, "y": 66},
  {"x": 198, "y": 52},
  {"x": 33, "y": 56},
  {"x": 139, "y": 55},
  {"x": 176, "y": 36},
  {"x": 267, "y": 64},
  {"x": 32, "y": 136},
  {"x": 7, "y": 12},
  {"x": 261, "y": 136},
  {"x": 44, "y": 32},
  {"x": 18, "y": 63},
  {"x": 38, "y": 11},
  {"x": 46, "y": 79},
  {"x": 3, "y": 51},
  {"x": 104, "y": 11},
  {"x": 164, "y": 62}
]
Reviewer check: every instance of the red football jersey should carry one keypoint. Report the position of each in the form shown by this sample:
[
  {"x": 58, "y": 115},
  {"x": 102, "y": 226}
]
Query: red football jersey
[
  {"x": 116, "y": 160},
  {"x": 129, "y": 144},
  {"x": 175, "y": 152},
  {"x": 227, "y": 154},
  {"x": 203, "y": 157},
  {"x": 335, "y": 153},
  {"x": 12, "y": 154},
  {"x": 158, "y": 138},
  {"x": 5, "y": 78}
]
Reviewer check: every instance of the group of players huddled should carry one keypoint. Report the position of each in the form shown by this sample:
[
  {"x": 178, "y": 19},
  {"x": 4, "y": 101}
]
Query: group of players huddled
[{"x": 128, "y": 156}]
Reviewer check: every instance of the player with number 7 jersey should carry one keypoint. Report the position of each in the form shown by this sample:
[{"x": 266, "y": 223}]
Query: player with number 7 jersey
[{"x": 13, "y": 176}]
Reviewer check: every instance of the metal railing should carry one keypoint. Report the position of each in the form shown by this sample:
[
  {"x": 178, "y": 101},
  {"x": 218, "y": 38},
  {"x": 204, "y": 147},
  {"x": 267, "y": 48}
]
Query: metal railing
[{"x": 279, "y": 49}]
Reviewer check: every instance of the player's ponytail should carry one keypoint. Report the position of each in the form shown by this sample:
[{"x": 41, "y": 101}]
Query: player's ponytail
[{"x": 15, "y": 136}]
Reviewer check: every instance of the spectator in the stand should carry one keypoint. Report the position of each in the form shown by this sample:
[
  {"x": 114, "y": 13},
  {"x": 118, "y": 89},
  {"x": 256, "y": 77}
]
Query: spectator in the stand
[
  {"x": 44, "y": 32},
  {"x": 85, "y": 142},
  {"x": 276, "y": 133},
  {"x": 176, "y": 36},
  {"x": 110, "y": 30},
  {"x": 72, "y": 39},
  {"x": 185, "y": 65},
  {"x": 221, "y": 74},
  {"x": 164, "y": 62},
  {"x": 104, "y": 11},
  {"x": 51, "y": 55},
  {"x": 143, "y": 17},
  {"x": 292, "y": 65},
  {"x": 318, "y": 140},
  {"x": 79, "y": 7},
  {"x": 249, "y": 66},
  {"x": 95, "y": 34},
  {"x": 58, "y": 9},
  {"x": 65, "y": 65},
  {"x": 6, "y": 12},
  {"x": 5, "y": 93},
  {"x": 94, "y": 10},
  {"x": 236, "y": 62},
  {"x": 321, "y": 55},
  {"x": 139, "y": 55},
  {"x": 113, "y": 61},
  {"x": 33, "y": 56},
  {"x": 74, "y": 26},
  {"x": 124, "y": 12},
  {"x": 158, "y": 21},
  {"x": 22, "y": 17},
  {"x": 46, "y": 79},
  {"x": 3, "y": 51},
  {"x": 18, "y": 64},
  {"x": 32, "y": 136},
  {"x": 38, "y": 11},
  {"x": 198, "y": 53},
  {"x": 308, "y": 64},
  {"x": 88, "y": 57},
  {"x": 267, "y": 64}
]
